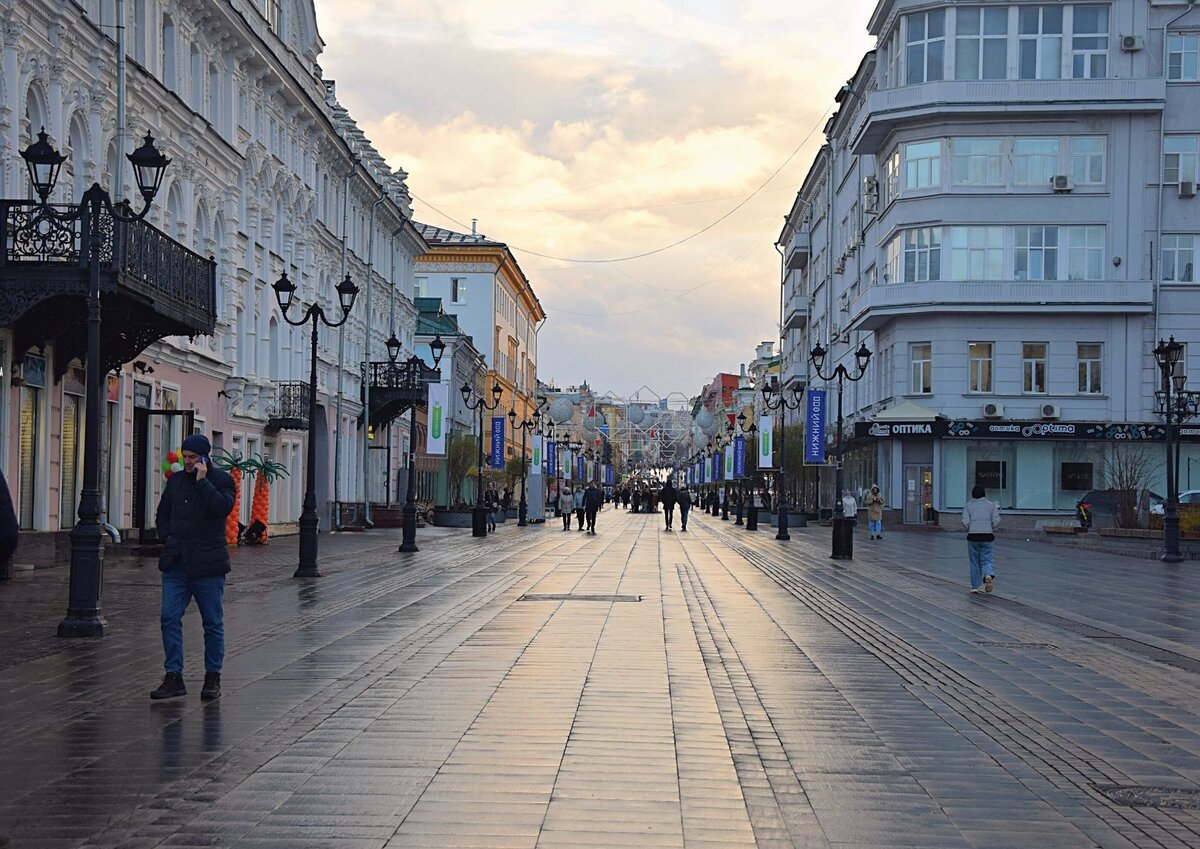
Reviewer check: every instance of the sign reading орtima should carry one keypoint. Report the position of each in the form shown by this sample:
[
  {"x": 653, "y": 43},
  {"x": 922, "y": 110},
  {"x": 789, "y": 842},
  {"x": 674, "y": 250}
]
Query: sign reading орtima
[{"x": 438, "y": 403}]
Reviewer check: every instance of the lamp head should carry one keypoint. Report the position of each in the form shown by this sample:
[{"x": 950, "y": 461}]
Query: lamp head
[
  {"x": 149, "y": 165},
  {"x": 347, "y": 292},
  {"x": 43, "y": 162},
  {"x": 438, "y": 347},
  {"x": 817, "y": 355},
  {"x": 465, "y": 389},
  {"x": 497, "y": 391},
  {"x": 393, "y": 347},
  {"x": 863, "y": 355},
  {"x": 512, "y": 418},
  {"x": 285, "y": 291}
]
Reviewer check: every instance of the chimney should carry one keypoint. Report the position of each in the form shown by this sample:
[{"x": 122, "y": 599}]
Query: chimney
[{"x": 474, "y": 227}]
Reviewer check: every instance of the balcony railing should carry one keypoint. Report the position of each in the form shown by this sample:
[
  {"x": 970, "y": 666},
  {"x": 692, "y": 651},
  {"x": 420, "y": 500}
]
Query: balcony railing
[
  {"x": 289, "y": 409},
  {"x": 395, "y": 387}
]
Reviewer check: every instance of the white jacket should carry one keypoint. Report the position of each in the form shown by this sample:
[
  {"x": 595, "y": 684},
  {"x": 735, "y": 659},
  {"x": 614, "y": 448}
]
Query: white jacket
[{"x": 980, "y": 516}]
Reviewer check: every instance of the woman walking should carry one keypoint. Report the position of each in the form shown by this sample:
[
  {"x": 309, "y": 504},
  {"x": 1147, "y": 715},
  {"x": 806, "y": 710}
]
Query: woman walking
[
  {"x": 875, "y": 513},
  {"x": 566, "y": 505},
  {"x": 579, "y": 507},
  {"x": 981, "y": 518}
]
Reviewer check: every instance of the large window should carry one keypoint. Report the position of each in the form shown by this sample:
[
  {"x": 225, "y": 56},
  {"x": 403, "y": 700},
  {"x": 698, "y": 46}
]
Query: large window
[
  {"x": 1179, "y": 257},
  {"x": 981, "y": 43},
  {"x": 1033, "y": 367},
  {"x": 1039, "y": 48},
  {"x": 891, "y": 178},
  {"x": 1089, "y": 42},
  {"x": 976, "y": 253},
  {"x": 979, "y": 376},
  {"x": 1085, "y": 253},
  {"x": 1036, "y": 253},
  {"x": 1089, "y": 359},
  {"x": 923, "y": 165},
  {"x": 922, "y": 254},
  {"x": 458, "y": 290},
  {"x": 977, "y": 162},
  {"x": 1179, "y": 158},
  {"x": 1087, "y": 160},
  {"x": 921, "y": 356},
  {"x": 1182, "y": 52},
  {"x": 925, "y": 46},
  {"x": 1035, "y": 161}
]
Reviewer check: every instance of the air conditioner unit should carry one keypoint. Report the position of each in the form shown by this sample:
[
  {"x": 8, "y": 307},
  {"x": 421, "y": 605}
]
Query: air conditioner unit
[
  {"x": 1131, "y": 43},
  {"x": 841, "y": 265},
  {"x": 851, "y": 247},
  {"x": 992, "y": 410},
  {"x": 870, "y": 195},
  {"x": 844, "y": 303},
  {"x": 1187, "y": 188},
  {"x": 1051, "y": 411},
  {"x": 1061, "y": 183}
]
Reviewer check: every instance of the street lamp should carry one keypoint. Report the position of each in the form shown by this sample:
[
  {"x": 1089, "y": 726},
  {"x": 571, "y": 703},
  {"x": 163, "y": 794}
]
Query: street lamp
[
  {"x": 534, "y": 424},
  {"x": 475, "y": 401},
  {"x": 779, "y": 402},
  {"x": 285, "y": 293},
  {"x": 83, "y": 617},
  {"x": 414, "y": 370},
  {"x": 1176, "y": 405},
  {"x": 843, "y": 531}
]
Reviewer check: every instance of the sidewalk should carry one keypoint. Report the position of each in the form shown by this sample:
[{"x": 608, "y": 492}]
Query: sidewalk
[{"x": 543, "y": 688}]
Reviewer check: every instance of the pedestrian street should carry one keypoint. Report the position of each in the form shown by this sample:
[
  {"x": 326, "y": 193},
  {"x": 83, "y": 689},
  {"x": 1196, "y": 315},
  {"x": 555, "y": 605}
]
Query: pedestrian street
[{"x": 636, "y": 688}]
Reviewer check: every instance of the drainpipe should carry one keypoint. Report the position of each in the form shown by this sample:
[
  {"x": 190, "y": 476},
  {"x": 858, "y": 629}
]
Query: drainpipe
[
  {"x": 336, "y": 524},
  {"x": 119, "y": 177},
  {"x": 366, "y": 444}
]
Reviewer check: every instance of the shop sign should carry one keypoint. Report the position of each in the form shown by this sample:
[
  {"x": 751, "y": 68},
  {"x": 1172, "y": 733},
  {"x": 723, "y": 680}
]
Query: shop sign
[
  {"x": 902, "y": 430},
  {"x": 961, "y": 429}
]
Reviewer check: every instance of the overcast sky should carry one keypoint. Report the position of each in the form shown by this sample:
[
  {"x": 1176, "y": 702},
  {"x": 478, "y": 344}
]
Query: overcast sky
[{"x": 599, "y": 131}]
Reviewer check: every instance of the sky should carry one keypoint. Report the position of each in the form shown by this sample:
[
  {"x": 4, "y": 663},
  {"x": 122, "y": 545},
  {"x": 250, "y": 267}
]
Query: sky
[{"x": 662, "y": 142}]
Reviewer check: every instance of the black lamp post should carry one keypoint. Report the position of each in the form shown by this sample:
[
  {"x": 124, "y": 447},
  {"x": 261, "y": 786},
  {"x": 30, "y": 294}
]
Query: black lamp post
[
  {"x": 843, "y": 530},
  {"x": 83, "y": 617},
  {"x": 534, "y": 424},
  {"x": 1176, "y": 405},
  {"x": 475, "y": 401},
  {"x": 723, "y": 441},
  {"x": 779, "y": 402},
  {"x": 285, "y": 293},
  {"x": 738, "y": 512},
  {"x": 414, "y": 369}
]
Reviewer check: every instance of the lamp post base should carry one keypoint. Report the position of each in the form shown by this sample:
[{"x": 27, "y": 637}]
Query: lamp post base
[
  {"x": 522, "y": 514},
  {"x": 843, "y": 538},
  {"x": 479, "y": 522},
  {"x": 307, "y": 567},
  {"x": 751, "y": 518},
  {"x": 81, "y": 626}
]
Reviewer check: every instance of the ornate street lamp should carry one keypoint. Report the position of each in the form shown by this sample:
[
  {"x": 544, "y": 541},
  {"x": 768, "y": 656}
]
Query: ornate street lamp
[
  {"x": 414, "y": 377},
  {"x": 285, "y": 293},
  {"x": 83, "y": 617},
  {"x": 534, "y": 424},
  {"x": 475, "y": 401},
  {"x": 1176, "y": 405},
  {"x": 775, "y": 400},
  {"x": 843, "y": 531}
]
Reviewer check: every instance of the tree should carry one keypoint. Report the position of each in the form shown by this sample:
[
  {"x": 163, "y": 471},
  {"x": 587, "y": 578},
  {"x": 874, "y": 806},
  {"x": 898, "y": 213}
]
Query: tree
[
  {"x": 1127, "y": 470},
  {"x": 462, "y": 451}
]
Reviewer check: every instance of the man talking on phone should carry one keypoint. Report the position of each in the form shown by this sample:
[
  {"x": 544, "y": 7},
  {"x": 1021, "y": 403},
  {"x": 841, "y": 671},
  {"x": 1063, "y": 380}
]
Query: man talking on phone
[{"x": 194, "y": 562}]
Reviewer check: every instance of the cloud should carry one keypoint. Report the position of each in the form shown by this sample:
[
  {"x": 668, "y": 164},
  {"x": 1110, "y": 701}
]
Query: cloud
[{"x": 605, "y": 130}]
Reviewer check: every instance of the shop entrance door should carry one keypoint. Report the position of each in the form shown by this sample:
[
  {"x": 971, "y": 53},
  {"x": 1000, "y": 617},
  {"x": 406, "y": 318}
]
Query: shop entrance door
[
  {"x": 918, "y": 494},
  {"x": 155, "y": 432}
]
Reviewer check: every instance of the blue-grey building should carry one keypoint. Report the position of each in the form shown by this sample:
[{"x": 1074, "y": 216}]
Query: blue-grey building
[{"x": 1004, "y": 212}]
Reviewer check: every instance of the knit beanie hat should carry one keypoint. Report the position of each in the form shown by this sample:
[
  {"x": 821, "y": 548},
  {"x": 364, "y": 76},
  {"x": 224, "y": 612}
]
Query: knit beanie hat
[{"x": 197, "y": 443}]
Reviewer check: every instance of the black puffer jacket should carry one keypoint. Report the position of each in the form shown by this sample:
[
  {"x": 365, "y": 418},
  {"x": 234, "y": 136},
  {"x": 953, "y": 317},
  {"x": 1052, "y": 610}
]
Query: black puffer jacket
[{"x": 191, "y": 523}]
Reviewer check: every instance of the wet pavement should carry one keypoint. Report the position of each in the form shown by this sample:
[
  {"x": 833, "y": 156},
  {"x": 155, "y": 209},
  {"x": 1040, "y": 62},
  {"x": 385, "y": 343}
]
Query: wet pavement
[{"x": 637, "y": 688}]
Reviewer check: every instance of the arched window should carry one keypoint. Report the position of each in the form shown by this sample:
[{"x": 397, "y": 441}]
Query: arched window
[
  {"x": 274, "y": 343},
  {"x": 80, "y": 156},
  {"x": 216, "y": 114},
  {"x": 139, "y": 32},
  {"x": 197, "y": 80},
  {"x": 169, "y": 55}
]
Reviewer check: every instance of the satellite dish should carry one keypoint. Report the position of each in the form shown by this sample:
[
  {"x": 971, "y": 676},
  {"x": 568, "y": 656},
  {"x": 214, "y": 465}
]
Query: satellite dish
[
  {"x": 636, "y": 415},
  {"x": 561, "y": 410}
]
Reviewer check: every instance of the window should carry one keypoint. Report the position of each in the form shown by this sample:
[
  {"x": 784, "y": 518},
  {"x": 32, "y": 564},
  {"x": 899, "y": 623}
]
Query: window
[
  {"x": 921, "y": 356},
  {"x": 981, "y": 44},
  {"x": 420, "y": 287},
  {"x": 922, "y": 254},
  {"x": 891, "y": 178},
  {"x": 1033, "y": 367},
  {"x": 1036, "y": 256},
  {"x": 1089, "y": 42},
  {"x": 1088, "y": 357},
  {"x": 273, "y": 12},
  {"x": 892, "y": 273},
  {"x": 976, "y": 253},
  {"x": 458, "y": 290},
  {"x": 980, "y": 366},
  {"x": 1182, "y": 52},
  {"x": 892, "y": 52},
  {"x": 1085, "y": 253},
  {"x": 169, "y": 55},
  {"x": 1035, "y": 161},
  {"x": 1087, "y": 160},
  {"x": 925, "y": 46},
  {"x": 1039, "y": 46},
  {"x": 1179, "y": 158},
  {"x": 1179, "y": 258},
  {"x": 922, "y": 165},
  {"x": 977, "y": 162}
]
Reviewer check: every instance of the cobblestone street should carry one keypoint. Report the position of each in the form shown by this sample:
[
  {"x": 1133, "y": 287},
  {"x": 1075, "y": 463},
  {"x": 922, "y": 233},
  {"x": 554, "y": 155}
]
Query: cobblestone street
[{"x": 637, "y": 688}]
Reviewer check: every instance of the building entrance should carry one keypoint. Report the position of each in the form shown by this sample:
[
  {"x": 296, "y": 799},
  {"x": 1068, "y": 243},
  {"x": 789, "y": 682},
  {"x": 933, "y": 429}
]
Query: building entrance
[{"x": 918, "y": 494}]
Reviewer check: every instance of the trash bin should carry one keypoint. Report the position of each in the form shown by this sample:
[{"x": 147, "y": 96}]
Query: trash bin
[
  {"x": 479, "y": 522},
  {"x": 843, "y": 538},
  {"x": 752, "y": 517}
]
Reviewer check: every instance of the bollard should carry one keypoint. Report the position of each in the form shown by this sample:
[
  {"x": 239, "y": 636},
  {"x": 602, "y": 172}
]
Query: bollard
[{"x": 843, "y": 538}]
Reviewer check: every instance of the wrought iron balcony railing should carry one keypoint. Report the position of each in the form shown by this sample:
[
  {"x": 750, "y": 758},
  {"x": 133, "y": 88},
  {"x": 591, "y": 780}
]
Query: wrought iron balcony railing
[{"x": 289, "y": 411}]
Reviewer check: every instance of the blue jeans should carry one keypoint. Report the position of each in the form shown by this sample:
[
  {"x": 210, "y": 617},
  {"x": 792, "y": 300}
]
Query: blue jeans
[
  {"x": 177, "y": 591},
  {"x": 683, "y": 513},
  {"x": 875, "y": 526},
  {"x": 980, "y": 554}
]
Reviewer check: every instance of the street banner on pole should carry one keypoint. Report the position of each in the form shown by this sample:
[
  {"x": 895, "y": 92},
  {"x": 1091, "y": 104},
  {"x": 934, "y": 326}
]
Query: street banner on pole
[
  {"x": 535, "y": 462},
  {"x": 729, "y": 463},
  {"x": 766, "y": 442},
  {"x": 437, "y": 405},
  {"x": 581, "y": 465},
  {"x": 567, "y": 464},
  {"x": 716, "y": 468},
  {"x": 814, "y": 427},
  {"x": 552, "y": 457},
  {"x": 497, "y": 453},
  {"x": 739, "y": 457}
]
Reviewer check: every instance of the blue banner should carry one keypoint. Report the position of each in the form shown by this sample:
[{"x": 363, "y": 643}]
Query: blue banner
[
  {"x": 739, "y": 456},
  {"x": 497, "y": 453},
  {"x": 814, "y": 427},
  {"x": 552, "y": 457},
  {"x": 718, "y": 460},
  {"x": 581, "y": 466}
]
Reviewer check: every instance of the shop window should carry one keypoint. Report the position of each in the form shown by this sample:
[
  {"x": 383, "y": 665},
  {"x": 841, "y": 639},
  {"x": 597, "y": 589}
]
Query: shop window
[{"x": 1076, "y": 477}]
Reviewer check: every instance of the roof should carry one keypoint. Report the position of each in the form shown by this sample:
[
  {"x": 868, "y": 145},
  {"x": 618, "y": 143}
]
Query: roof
[{"x": 441, "y": 236}]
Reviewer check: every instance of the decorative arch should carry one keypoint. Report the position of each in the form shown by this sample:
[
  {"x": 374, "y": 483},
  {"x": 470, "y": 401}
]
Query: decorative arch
[
  {"x": 80, "y": 164},
  {"x": 174, "y": 221}
]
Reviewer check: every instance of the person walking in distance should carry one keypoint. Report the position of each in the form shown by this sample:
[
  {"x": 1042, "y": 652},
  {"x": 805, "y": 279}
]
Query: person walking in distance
[
  {"x": 593, "y": 500},
  {"x": 566, "y": 506},
  {"x": 579, "y": 508},
  {"x": 669, "y": 496},
  {"x": 875, "y": 513},
  {"x": 194, "y": 562},
  {"x": 981, "y": 518},
  {"x": 684, "y": 500}
]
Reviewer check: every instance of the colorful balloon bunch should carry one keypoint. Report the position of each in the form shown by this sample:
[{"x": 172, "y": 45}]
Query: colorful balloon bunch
[{"x": 173, "y": 463}]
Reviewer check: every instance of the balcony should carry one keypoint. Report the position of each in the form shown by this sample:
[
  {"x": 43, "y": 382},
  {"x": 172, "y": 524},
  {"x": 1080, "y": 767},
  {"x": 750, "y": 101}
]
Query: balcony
[
  {"x": 885, "y": 302},
  {"x": 289, "y": 410},
  {"x": 795, "y": 312},
  {"x": 1000, "y": 100},
  {"x": 799, "y": 248},
  {"x": 395, "y": 387},
  {"x": 151, "y": 285}
]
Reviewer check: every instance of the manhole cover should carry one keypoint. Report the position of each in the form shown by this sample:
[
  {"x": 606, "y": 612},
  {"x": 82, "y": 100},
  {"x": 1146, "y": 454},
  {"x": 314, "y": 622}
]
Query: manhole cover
[
  {"x": 577, "y": 597},
  {"x": 1181, "y": 798},
  {"x": 1013, "y": 645}
]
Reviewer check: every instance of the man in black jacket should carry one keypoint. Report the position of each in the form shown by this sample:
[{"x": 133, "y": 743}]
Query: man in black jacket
[
  {"x": 669, "y": 495},
  {"x": 194, "y": 562},
  {"x": 593, "y": 500}
]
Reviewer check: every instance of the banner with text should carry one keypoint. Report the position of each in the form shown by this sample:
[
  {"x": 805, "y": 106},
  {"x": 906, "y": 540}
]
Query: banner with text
[
  {"x": 739, "y": 457},
  {"x": 535, "y": 461},
  {"x": 729, "y": 462},
  {"x": 496, "y": 456},
  {"x": 716, "y": 468},
  {"x": 438, "y": 404},
  {"x": 552, "y": 457},
  {"x": 766, "y": 442},
  {"x": 814, "y": 427},
  {"x": 581, "y": 465}
]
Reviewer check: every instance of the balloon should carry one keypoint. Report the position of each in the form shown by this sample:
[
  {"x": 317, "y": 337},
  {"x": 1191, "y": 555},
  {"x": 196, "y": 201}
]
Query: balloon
[
  {"x": 168, "y": 473},
  {"x": 172, "y": 456},
  {"x": 562, "y": 410},
  {"x": 166, "y": 467},
  {"x": 704, "y": 418},
  {"x": 176, "y": 467},
  {"x": 636, "y": 415}
]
